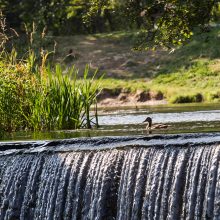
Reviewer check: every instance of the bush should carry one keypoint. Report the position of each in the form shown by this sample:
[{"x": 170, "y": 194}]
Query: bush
[
  {"x": 214, "y": 96},
  {"x": 188, "y": 98},
  {"x": 45, "y": 100},
  {"x": 36, "y": 96}
]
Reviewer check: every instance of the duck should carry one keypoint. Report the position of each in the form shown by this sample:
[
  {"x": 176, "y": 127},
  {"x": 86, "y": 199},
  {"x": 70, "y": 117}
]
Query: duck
[{"x": 149, "y": 126}]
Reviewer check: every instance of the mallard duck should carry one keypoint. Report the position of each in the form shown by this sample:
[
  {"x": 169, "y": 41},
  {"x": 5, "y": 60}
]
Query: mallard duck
[{"x": 148, "y": 122}]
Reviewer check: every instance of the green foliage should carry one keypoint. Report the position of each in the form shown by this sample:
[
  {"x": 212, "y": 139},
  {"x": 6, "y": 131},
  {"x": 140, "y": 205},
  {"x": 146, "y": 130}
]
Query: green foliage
[
  {"x": 187, "y": 98},
  {"x": 62, "y": 101},
  {"x": 161, "y": 23},
  {"x": 36, "y": 96},
  {"x": 45, "y": 100},
  {"x": 170, "y": 23},
  {"x": 16, "y": 85},
  {"x": 50, "y": 14}
]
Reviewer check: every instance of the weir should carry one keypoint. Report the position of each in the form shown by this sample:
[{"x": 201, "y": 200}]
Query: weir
[{"x": 153, "y": 177}]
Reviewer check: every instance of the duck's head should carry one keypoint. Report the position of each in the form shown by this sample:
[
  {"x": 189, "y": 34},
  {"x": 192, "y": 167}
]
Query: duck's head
[{"x": 148, "y": 121}]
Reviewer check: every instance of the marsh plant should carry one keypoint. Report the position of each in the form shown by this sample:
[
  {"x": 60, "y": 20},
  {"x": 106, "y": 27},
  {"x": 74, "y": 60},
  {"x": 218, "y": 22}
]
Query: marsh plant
[
  {"x": 37, "y": 96},
  {"x": 45, "y": 100}
]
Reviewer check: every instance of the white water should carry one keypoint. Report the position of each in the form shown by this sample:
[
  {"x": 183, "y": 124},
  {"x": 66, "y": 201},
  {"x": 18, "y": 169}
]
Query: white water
[{"x": 159, "y": 177}]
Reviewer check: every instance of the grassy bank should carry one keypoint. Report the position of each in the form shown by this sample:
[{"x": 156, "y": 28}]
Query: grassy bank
[
  {"x": 47, "y": 99},
  {"x": 189, "y": 74},
  {"x": 38, "y": 94}
]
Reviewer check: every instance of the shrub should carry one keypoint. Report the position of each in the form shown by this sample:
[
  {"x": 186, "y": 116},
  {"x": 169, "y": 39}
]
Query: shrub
[
  {"x": 37, "y": 96},
  {"x": 188, "y": 98},
  {"x": 214, "y": 96}
]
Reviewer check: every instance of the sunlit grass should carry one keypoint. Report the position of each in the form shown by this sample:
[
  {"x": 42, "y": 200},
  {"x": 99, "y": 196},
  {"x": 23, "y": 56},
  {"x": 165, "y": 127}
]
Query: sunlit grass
[
  {"x": 37, "y": 96},
  {"x": 53, "y": 98},
  {"x": 190, "y": 70}
]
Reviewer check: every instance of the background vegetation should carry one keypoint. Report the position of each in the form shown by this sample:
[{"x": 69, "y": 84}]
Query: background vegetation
[
  {"x": 187, "y": 71},
  {"x": 162, "y": 22},
  {"x": 182, "y": 61},
  {"x": 35, "y": 95}
]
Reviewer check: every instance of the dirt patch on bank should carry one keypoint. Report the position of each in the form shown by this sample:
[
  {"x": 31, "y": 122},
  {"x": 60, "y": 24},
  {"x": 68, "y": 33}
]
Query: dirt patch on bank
[
  {"x": 125, "y": 98},
  {"x": 110, "y": 54},
  {"x": 113, "y": 55}
]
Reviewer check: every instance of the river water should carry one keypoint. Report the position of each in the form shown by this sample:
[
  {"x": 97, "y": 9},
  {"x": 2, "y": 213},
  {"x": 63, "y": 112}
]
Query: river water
[
  {"x": 122, "y": 121},
  {"x": 139, "y": 175}
]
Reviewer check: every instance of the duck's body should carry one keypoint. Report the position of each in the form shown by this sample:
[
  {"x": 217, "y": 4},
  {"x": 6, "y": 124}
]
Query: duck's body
[{"x": 149, "y": 126}]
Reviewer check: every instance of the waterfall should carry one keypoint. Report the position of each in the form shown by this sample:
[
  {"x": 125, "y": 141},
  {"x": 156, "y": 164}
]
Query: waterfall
[{"x": 172, "y": 177}]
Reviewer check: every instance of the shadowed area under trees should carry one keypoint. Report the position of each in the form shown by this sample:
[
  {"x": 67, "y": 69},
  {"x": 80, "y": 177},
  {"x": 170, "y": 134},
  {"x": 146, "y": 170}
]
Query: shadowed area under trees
[{"x": 156, "y": 19}]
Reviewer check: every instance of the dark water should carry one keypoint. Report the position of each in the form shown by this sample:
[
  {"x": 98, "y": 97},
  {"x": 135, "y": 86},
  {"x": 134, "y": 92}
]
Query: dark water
[{"x": 145, "y": 177}]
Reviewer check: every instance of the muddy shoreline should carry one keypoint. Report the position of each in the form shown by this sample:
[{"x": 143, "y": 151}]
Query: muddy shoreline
[{"x": 125, "y": 98}]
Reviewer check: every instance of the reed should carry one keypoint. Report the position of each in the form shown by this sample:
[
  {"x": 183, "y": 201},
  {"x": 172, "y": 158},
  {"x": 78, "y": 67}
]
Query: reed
[
  {"x": 54, "y": 100},
  {"x": 38, "y": 96}
]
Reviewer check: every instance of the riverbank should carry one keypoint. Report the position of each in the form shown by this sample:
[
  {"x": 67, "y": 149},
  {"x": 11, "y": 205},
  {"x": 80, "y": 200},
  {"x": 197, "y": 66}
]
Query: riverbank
[
  {"x": 132, "y": 99},
  {"x": 186, "y": 74}
]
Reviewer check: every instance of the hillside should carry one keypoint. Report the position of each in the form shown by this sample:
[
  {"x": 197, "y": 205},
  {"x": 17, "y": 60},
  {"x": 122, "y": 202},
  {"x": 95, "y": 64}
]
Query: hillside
[{"x": 190, "y": 73}]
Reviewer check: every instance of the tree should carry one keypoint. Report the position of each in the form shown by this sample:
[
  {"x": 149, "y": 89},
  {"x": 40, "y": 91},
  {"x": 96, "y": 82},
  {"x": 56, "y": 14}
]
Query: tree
[
  {"x": 160, "y": 22},
  {"x": 44, "y": 13},
  {"x": 169, "y": 22}
]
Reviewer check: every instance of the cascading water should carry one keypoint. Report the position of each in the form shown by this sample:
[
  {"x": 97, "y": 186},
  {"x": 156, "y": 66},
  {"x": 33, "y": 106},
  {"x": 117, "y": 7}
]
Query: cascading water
[{"x": 162, "y": 177}]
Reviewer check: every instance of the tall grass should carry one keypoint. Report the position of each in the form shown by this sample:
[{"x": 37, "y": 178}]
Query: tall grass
[
  {"x": 38, "y": 96},
  {"x": 64, "y": 101},
  {"x": 52, "y": 100}
]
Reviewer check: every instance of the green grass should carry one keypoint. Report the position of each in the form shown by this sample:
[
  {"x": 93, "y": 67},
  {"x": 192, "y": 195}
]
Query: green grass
[
  {"x": 192, "y": 69},
  {"x": 36, "y": 94},
  {"x": 189, "y": 70},
  {"x": 198, "y": 78},
  {"x": 53, "y": 98},
  {"x": 132, "y": 85}
]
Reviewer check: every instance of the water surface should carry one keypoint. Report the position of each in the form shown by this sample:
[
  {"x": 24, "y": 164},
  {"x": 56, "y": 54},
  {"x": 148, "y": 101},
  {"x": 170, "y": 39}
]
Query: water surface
[{"x": 121, "y": 121}]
